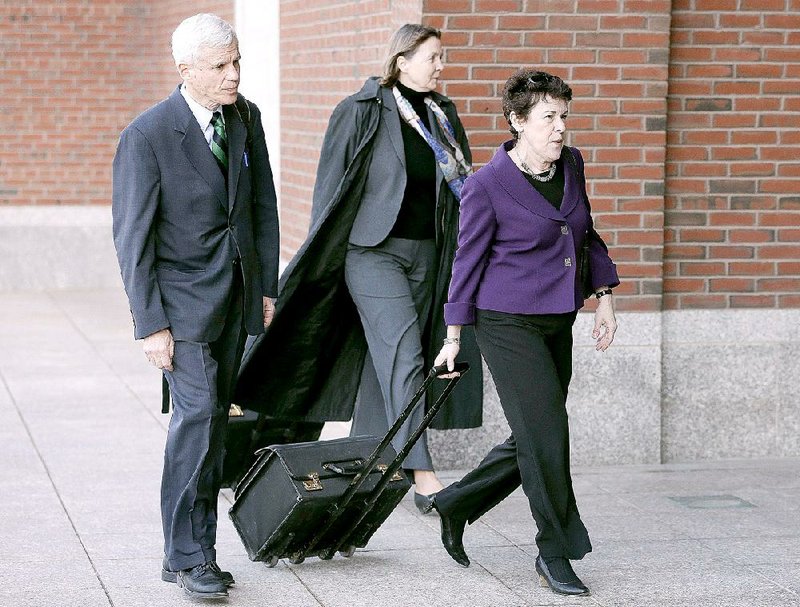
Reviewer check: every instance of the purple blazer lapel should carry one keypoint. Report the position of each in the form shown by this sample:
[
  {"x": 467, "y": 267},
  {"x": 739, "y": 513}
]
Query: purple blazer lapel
[
  {"x": 573, "y": 191},
  {"x": 514, "y": 183}
]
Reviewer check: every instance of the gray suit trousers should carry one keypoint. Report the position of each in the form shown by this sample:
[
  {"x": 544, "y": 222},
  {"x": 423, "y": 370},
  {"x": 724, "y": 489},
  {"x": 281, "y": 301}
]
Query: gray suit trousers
[
  {"x": 391, "y": 285},
  {"x": 201, "y": 386}
]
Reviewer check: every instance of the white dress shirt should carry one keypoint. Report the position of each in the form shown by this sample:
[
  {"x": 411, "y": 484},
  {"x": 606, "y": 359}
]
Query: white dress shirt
[{"x": 202, "y": 114}]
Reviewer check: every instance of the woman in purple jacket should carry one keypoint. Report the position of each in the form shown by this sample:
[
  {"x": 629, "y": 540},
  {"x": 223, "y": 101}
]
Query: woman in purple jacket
[{"x": 516, "y": 278}]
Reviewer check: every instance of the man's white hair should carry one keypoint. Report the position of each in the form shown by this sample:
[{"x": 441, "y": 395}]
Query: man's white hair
[{"x": 198, "y": 31}]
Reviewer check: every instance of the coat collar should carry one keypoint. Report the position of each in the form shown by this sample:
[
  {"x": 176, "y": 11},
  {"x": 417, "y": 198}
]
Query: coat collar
[
  {"x": 517, "y": 186},
  {"x": 372, "y": 90},
  {"x": 196, "y": 148}
]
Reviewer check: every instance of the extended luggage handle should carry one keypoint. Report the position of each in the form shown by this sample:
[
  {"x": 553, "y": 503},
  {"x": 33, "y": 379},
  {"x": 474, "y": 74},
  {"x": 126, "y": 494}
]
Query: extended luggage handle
[
  {"x": 391, "y": 470},
  {"x": 372, "y": 460},
  {"x": 359, "y": 467},
  {"x": 460, "y": 368}
]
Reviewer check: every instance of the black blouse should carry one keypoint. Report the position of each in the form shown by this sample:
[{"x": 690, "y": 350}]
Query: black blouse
[
  {"x": 552, "y": 190},
  {"x": 416, "y": 219}
]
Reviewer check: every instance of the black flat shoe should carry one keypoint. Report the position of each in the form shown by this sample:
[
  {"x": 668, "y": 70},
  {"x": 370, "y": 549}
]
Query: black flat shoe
[
  {"x": 570, "y": 584},
  {"x": 452, "y": 537},
  {"x": 172, "y": 576},
  {"x": 225, "y": 576},
  {"x": 202, "y": 582},
  {"x": 424, "y": 503},
  {"x": 167, "y": 574}
]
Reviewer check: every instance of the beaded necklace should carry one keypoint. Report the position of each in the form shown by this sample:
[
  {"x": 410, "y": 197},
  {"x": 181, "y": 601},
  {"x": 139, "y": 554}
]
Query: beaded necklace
[{"x": 544, "y": 176}]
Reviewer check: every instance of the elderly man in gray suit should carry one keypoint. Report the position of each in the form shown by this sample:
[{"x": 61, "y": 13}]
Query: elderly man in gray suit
[{"x": 196, "y": 233}]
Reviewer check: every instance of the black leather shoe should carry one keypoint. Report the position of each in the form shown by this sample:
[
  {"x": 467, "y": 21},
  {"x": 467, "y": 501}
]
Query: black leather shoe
[
  {"x": 452, "y": 536},
  {"x": 167, "y": 574},
  {"x": 571, "y": 584},
  {"x": 172, "y": 576},
  {"x": 424, "y": 503},
  {"x": 202, "y": 582},
  {"x": 225, "y": 576}
]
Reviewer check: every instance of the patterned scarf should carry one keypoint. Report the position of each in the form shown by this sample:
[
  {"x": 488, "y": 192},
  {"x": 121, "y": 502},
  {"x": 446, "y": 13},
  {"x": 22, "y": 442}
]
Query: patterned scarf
[{"x": 455, "y": 167}]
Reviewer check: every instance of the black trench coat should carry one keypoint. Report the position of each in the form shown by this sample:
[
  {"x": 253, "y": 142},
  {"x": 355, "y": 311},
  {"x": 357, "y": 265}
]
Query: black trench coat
[{"x": 308, "y": 363}]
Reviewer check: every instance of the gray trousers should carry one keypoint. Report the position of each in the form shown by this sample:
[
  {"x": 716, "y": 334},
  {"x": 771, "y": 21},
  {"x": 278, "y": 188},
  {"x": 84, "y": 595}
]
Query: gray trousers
[
  {"x": 201, "y": 387},
  {"x": 391, "y": 285}
]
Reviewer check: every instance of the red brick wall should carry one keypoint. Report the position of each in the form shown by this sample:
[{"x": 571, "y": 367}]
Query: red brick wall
[
  {"x": 73, "y": 74},
  {"x": 687, "y": 113},
  {"x": 61, "y": 105},
  {"x": 733, "y": 161},
  {"x": 327, "y": 51}
]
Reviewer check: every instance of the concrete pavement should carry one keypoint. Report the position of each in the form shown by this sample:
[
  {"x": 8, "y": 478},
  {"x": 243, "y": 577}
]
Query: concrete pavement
[{"x": 82, "y": 442}]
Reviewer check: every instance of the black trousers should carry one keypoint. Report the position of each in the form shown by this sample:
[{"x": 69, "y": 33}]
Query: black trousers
[
  {"x": 201, "y": 385},
  {"x": 530, "y": 359}
]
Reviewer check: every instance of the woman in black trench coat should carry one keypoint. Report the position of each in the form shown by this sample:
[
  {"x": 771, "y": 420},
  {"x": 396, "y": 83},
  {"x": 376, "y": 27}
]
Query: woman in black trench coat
[{"x": 360, "y": 307}]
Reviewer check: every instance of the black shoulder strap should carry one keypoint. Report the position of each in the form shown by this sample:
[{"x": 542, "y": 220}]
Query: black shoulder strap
[
  {"x": 242, "y": 106},
  {"x": 581, "y": 178}
]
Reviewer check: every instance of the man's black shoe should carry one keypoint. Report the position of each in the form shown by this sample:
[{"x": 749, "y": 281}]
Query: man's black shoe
[
  {"x": 452, "y": 536},
  {"x": 225, "y": 576},
  {"x": 166, "y": 573},
  {"x": 172, "y": 576},
  {"x": 202, "y": 582}
]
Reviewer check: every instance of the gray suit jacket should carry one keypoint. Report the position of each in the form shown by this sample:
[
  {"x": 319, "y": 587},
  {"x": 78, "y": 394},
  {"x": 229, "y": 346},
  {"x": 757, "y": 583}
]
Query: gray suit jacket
[
  {"x": 386, "y": 178},
  {"x": 178, "y": 232}
]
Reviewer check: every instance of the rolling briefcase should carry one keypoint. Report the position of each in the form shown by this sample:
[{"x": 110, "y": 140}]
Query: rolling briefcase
[
  {"x": 249, "y": 431},
  {"x": 317, "y": 498}
]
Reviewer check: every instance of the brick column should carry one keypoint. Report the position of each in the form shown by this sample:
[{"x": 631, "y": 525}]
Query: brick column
[
  {"x": 327, "y": 51},
  {"x": 733, "y": 160}
]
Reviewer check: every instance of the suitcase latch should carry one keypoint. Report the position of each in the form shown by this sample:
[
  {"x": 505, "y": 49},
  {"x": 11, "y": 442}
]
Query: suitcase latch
[
  {"x": 395, "y": 477},
  {"x": 313, "y": 483}
]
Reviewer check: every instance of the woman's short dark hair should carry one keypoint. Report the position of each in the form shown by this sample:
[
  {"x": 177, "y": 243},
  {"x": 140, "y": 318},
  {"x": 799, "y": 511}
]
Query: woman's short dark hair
[
  {"x": 526, "y": 88},
  {"x": 405, "y": 43}
]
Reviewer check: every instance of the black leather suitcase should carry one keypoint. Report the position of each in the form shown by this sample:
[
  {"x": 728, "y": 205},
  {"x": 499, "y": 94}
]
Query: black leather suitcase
[
  {"x": 249, "y": 431},
  {"x": 317, "y": 498}
]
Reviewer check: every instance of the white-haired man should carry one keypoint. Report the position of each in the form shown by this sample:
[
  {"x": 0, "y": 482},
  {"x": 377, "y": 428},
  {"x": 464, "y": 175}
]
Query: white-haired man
[{"x": 196, "y": 233}]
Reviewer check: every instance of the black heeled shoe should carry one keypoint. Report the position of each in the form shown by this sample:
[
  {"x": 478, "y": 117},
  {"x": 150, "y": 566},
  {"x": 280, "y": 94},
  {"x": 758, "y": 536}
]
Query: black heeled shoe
[
  {"x": 424, "y": 503},
  {"x": 571, "y": 584},
  {"x": 452, "y": 536}
]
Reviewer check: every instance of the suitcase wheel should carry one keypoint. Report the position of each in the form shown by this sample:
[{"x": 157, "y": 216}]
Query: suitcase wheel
[
  {"x": 348, "y": 552},
  {"x": 296, "y": 559},
  {"x": 271, "y": 561},
  {"x": 327, "y": 555}
]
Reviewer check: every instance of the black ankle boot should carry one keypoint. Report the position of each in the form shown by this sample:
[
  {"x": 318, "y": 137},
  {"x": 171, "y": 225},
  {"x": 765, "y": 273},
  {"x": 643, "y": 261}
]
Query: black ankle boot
[{"x": 559, "y": 576}]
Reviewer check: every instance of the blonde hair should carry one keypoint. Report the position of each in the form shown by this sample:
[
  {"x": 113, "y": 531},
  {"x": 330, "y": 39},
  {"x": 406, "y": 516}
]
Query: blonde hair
[{"x": 405, "y": 43}]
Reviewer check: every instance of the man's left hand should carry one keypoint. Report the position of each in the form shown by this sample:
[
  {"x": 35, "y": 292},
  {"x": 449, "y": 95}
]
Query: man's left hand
[{"x": 269, "y": 310}]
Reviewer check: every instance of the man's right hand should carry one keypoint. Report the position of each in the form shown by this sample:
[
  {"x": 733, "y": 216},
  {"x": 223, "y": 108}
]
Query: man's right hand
[{"x": 159, "y": 347}]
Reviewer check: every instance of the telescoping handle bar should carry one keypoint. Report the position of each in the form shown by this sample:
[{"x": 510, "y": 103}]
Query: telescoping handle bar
[{"x": 372, "y": 461}]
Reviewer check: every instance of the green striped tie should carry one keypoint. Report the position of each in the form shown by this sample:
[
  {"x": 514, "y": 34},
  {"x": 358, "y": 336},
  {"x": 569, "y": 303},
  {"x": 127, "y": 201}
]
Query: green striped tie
[{"x": 219, "y": 142}]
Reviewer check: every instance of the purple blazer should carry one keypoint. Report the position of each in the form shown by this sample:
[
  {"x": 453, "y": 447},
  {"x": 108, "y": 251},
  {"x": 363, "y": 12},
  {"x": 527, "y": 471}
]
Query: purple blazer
[{"x": 516, "y": 252}]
